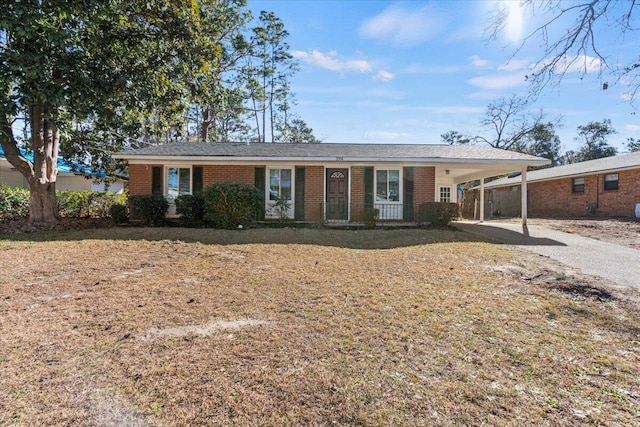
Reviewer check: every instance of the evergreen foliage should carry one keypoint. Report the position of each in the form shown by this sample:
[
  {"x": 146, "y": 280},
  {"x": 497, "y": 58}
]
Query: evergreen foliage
[
  {"x": 436, "y": 214},
  {"x": 151, "y": 209},
  {"x": 229, "y": 205},
  {"x": 190, "y": 207}
]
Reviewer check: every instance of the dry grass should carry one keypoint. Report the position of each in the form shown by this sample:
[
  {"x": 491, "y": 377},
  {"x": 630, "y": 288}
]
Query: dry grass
[{"x": 400, "y": 327}]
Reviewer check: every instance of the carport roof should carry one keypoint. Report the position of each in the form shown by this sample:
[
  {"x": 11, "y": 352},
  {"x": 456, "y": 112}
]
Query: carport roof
[{"x": 606, "y": 164}]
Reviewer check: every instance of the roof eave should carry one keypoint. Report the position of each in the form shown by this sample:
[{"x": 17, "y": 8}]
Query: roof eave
[
  {"x": 523, "y": 162},
  {"x": 563, "y": 176}
]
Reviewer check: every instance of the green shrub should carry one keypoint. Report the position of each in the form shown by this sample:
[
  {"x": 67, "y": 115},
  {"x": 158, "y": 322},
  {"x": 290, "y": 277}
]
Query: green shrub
[
  {"x": 150, "y": 208},
  {"x": 14, "y": 203},
  {"x": 190, "y": 207},
  {"x": 73, "y": 204},
  {"x": 436, "y": 214},
  {"x": 79, "y": 204},
  {"x": 228, "y": 205},
  {"x": 119, "y": 213},
  {"x": 370, "y": 217}
]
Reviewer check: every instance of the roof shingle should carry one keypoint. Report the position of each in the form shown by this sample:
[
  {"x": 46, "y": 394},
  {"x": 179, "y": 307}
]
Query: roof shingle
[{"x": 331, "y": 151}]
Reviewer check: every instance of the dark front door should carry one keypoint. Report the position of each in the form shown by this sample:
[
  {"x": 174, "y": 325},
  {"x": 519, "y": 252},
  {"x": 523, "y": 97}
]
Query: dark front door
[{"x": 338, "y": 194}]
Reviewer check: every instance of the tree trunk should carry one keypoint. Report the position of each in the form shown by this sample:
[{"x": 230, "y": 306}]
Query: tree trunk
[
  {"x": 45, "y": 135},
  {"x": 207, "y": 120},
  {"x": 43, "y": 205}
]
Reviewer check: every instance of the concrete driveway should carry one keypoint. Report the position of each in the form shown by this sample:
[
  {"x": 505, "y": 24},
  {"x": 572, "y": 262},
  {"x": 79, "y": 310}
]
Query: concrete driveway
[{"x": 616, "y": 263}]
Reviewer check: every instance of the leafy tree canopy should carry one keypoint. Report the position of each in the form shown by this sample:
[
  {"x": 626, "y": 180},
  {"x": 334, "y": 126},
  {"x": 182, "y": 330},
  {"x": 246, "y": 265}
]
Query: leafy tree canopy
[
  {"x": 95, "y": 70},
  {"x": 455, "y": 138},
  {"x": 593, "y": 137},
  {"x": 633, "y": 145},
  {"x": 541, "y": 141}
]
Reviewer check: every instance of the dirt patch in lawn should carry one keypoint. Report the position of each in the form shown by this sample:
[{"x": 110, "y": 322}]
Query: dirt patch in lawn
[
  {"x": 163, "y": 326},
  {"x": 621, "y": 231}
]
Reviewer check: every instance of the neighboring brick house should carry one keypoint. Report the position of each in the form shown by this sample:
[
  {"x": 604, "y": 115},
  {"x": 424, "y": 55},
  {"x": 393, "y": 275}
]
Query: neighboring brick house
[
  {"x": 322, "y": 182},
  {"x": 607, "y": 187}
]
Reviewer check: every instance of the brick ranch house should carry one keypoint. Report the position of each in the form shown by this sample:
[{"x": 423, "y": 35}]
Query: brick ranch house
[
  {"x": 321, "y": 182},
  {"x": 607, "y": 187}
]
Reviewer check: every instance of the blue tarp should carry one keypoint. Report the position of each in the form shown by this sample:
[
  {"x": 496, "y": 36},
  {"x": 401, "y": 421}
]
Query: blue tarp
[{"x": 65, "y": 166}]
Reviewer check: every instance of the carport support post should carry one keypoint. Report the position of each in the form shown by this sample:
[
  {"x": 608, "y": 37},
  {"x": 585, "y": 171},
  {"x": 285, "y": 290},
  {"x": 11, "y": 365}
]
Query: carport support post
[
  {"x": 482, "y": 199},
  {"x": 523, "y": 187}
]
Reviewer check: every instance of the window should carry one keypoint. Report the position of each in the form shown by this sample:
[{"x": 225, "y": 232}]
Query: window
[
  {"x": 279, "y": 184},
  {"x": 387, "y": 185},
  {"x": 611, "y": 181},
  {"x": 445, "y": 194},
  {"x": 178, "y": 182},
  {"x": 578, "y": 185}
]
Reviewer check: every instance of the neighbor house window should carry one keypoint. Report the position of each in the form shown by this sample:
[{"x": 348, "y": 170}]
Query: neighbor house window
[
  {"x": 445, "y": 194},
  {"x": 611, "y": 181},
  {"x": 279, "y": 184},
  {"x": 578, "y": 185},
  {"x": 388, "y": 185}
]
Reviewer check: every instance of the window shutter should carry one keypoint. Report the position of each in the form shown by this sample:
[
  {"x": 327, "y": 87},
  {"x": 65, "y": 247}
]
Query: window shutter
[
  {"x": 408, "y": 213},
  {"x": 299, "y": 202},
  {"x": 259, "y": 180},
  {"x": 198, "y": 182},
  {"x": 368, "y": 187},
  {"x": 156, "y": 180}
]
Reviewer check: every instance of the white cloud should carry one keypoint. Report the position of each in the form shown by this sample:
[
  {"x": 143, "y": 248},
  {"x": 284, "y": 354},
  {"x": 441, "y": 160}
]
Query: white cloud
[
  {"x": 446, "y": 109},
  {"x": 632, "y": 128},
  {"x": 384, "y": 76},
  {"x": 422, "y": 69},
  {"x": 627, "y": 96},
  {"x": 478, "y": 62},
  {"x": 384, "y": 135},
  {"x": 403, "y": 26},
  {"x": 330, "y": 61},
  {"x": 514, "y": 25},
  {"x": 385, "y": 92},
  {"x": 574, "y": 64},
  {"x": 498, "y": 81},
  {"x": 456, "y": 109},
  {"x": 515, "y": 65}
]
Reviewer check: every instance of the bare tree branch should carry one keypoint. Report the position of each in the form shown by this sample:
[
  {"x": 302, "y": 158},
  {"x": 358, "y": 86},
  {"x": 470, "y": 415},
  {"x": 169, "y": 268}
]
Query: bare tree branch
[{"x": 579, "y": 47}]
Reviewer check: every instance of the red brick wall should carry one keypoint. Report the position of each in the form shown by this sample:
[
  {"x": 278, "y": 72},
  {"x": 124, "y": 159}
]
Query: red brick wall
[
  {"x": 424, "y": 185},
  {"x": 140, "y": 179},
  {"x": 555, "y": 198},
  {"x": 357, "y": 193},
  {"x": 239, "y": 174},
  {"x": 313, "y": 193}
]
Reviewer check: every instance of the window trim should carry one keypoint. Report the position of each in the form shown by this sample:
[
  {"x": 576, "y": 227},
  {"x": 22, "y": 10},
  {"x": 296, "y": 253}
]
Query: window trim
[
  {"x": 375, "y": 186},
  {"x": 268, "y": 183},
  {"x": 614, "y": 184},
  {"x": 577, "y": 188},
  {"x": 270, "y": 210},
  {"x": 166, "y": 179}
]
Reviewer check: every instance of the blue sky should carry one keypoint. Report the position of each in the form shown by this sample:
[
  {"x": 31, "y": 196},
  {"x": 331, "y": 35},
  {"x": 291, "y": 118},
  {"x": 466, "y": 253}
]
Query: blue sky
[{"x": 409, "y": 71}]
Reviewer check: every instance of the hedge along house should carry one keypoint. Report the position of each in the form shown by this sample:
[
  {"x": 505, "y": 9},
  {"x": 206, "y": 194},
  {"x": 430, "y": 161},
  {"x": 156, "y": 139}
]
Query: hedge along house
[
  {"x": 322, "y": 182},
  {"x": 607, "y": 187}
]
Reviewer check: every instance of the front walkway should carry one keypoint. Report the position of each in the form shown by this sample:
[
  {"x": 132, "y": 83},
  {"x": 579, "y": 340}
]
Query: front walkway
[{"x": 616, "y": 263}]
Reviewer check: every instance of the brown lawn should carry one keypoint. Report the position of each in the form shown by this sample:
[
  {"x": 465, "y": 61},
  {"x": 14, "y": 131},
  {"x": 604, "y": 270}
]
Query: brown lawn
[{"x": 170, "y": 326}]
